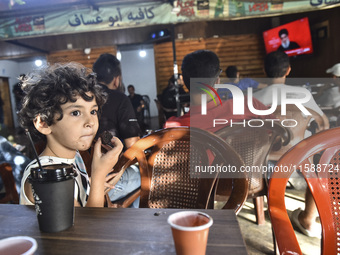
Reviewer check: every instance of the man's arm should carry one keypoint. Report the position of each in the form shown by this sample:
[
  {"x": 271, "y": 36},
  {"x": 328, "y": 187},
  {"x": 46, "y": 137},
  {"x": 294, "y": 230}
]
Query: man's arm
[
  {"x": 130, "y": 141},
  {"x": 141, "y": 105}
]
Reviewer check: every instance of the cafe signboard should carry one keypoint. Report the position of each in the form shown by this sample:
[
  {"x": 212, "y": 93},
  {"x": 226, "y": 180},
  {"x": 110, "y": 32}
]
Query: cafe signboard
[{"x": 147, "y": 13}]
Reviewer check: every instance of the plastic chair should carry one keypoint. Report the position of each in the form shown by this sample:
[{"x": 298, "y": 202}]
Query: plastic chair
[
  {"x": 11, "y": 195},
  {"x": 254, "y": 144},
  {"x": 324, "y": 186},
  {"x": 167, "y": 159},
  {"x": 298, "y": 133}
]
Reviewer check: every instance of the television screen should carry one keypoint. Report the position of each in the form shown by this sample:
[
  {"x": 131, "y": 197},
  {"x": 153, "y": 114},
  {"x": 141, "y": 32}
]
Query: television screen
[{"x": 294, "y": 38}]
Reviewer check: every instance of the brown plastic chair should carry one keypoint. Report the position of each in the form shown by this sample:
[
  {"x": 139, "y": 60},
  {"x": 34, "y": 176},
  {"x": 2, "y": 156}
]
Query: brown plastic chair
[
  {"x": 11, "y": 195},
  {"x": 324, "y": 185},
  {"x": 254, "y": 145},
  {"x": 298, "y": 133},
  {"x": 168, "y": 181}
]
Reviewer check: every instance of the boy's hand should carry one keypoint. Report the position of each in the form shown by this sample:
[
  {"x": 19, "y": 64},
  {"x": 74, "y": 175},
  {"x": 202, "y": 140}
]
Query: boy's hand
[{"x": 102, "y": 163}]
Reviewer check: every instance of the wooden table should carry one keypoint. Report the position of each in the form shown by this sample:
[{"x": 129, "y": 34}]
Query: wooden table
[{"x": 118, "y": 231}]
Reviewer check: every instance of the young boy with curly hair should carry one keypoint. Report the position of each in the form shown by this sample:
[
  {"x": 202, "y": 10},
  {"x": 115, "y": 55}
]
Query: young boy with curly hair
[{"x": 61, "y": 106}]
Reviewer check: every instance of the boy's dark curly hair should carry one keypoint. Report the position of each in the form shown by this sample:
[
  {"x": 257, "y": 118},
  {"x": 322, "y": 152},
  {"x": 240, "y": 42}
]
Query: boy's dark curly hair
[{"x": 47, "y": 89}]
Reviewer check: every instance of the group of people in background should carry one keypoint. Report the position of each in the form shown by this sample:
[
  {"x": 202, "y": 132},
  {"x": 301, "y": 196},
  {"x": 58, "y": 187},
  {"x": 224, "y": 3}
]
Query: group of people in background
[
  {"x": 233, "y": 77},
  {"x": 277, "y": 67}
]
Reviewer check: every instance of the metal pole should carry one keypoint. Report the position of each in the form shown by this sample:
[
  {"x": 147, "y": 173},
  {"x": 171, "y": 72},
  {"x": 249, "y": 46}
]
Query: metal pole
[{"x": 178, "y": 103}]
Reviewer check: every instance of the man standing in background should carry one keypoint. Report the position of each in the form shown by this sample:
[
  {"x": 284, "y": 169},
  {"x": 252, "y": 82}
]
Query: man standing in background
[
  {"x": 138, "y": 106},
  {"x": 118, "y": 117}
]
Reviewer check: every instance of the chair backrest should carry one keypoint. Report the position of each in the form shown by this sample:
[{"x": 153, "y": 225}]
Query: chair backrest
[
  {"x": 298, "y": 124},
  {"x": 323, "y": 181},
  {"x": 168, "y": 160},
  {"x": 253, "y": 144},
  {"x": 11, "y": 195}
]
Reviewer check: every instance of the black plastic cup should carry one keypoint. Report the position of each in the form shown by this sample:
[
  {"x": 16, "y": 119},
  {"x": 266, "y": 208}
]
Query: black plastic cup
[{"x": 53, "y": 191}]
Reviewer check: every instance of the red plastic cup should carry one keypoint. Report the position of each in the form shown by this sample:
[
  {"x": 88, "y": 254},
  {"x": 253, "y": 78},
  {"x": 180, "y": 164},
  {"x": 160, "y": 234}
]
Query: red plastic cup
[{"x": 190, "y": 230}]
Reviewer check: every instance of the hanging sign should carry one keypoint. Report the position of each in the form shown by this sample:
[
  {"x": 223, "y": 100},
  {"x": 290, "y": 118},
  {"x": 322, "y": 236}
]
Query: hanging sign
[{"x": 144, "y": 14}]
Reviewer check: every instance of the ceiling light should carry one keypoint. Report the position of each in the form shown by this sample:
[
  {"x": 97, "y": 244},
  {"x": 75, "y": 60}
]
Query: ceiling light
[
  {"x": 142, "y": 53},
  {"x": 38, "y": 62},
  {"x": 119, "y": 55},
  {"x": 87, "y": 51}
]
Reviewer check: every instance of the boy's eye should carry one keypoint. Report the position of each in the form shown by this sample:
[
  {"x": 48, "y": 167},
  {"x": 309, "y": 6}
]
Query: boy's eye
[
  {"x": 75, "y": 113},
  {"x": 94, "y": 112}
]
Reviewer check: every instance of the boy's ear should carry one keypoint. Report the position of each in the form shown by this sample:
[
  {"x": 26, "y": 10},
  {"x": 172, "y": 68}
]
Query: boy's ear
[{"x": 41, "y": 126}]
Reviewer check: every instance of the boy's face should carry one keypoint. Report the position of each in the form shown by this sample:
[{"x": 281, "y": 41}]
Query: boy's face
[{"x": 77, "y": 128}]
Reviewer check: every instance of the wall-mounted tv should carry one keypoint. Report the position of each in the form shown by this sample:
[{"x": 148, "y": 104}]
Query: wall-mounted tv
[{"x": 294, "y": 38}]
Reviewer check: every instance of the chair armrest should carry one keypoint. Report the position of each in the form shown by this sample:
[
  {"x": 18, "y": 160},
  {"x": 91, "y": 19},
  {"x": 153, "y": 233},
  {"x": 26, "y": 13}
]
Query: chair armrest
[
  {"x": 119, "y": 168},
  {"x": 123, "y": 163},
  {"x": 124, "y": 202},
  {"x": 239, "y": 194}
]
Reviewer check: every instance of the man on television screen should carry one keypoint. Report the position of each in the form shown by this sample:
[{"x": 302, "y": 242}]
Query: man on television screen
[{"x": 286, "y": 44}]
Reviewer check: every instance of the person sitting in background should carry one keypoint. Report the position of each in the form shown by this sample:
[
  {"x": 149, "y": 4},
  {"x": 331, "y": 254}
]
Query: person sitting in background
[
  {"x": 329, "y": 95},
  {"x": 18, "y": 161},
  {"x": 138, "y": 105},
  {"x": 61, "y": 107},
  {"x": 18, "y": 93},
  {"x": 277, "y": 67},
  {"x": 168, "y": 96},
  {"x": 206, "y": 64},
  {"x": 233, "y": 76},
  {"x": 334, "y": 70},
  {"x": 118, "y": 116}
]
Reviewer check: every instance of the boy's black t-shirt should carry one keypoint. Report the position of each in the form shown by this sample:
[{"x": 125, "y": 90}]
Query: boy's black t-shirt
[{"x": 118, "y": 116}]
